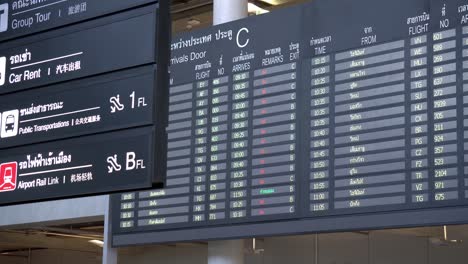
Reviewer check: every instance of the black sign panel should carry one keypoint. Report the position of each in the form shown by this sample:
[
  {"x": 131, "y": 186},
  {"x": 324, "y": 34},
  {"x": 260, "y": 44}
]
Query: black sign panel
[
  {"x": 23, "y": 17},
  {"x": 333, "y": 115},
  {"x": 118, "y": 101},
  {"x": 89, "y": 165},
  {"x": 86, "y": 49},
  {"x": 95, "y": 121}
]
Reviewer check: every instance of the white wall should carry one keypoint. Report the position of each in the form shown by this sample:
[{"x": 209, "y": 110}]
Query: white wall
[
  {"x": 289, "y": 250},
  {"x": 347, "y": 248},
  {"x": 55, "y": 257},
  {"x": 55, "y": 212},
  {"x": 380, "y": 247},
  {"x": 64, "y": 257},
  {"x": 353, "y": 248},
  {"x": 180, "y": 254},
  {"x": 389, "y": 249},
  {"x": 344, "y": 248},
  {"x": 12, "y": 260}
]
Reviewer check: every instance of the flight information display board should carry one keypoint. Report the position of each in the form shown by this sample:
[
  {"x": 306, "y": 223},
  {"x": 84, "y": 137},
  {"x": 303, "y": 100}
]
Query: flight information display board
[{"x": 319, "y": 116}]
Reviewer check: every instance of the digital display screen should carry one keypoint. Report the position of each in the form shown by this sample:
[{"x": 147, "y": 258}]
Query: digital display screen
[{"x": 320, "y": 111}]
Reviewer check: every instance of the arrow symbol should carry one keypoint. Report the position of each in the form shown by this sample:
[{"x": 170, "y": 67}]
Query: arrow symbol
[{"x": 116, "y": 105}]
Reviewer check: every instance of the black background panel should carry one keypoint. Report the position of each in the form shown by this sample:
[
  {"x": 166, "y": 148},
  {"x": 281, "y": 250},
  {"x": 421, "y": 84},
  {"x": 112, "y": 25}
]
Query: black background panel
[{"x": 312, "y": 115}]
